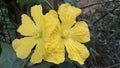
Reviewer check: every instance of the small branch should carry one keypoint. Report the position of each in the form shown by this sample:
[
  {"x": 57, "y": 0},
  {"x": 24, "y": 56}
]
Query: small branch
[
  {"x": 100, "y": 18},
  {"x": 97, "y": 4},
  {"x": 113, "y": 65},
  {"x": 106, "y": 14}
]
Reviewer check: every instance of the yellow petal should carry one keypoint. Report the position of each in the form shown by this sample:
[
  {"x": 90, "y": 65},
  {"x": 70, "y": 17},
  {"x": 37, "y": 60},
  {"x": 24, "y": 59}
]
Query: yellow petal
[
  {"x": 27, "y": 26},
  {"x": 52, "y": 22},
  {"x": 38, "y": 52},
  {"x": 80, "y": 32},
  {"x": 23, "y": 46},
  {"x": 54, "y": 50},
  {"x": 68, "y": 15},
  {"x": 15, "y": 44},
  {"x": 76, "y": 51},
  {"x": 36, "y": 12}
]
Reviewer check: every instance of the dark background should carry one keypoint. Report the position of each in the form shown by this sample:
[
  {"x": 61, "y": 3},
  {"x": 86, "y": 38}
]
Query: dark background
[{"x": 102, "y": 16}]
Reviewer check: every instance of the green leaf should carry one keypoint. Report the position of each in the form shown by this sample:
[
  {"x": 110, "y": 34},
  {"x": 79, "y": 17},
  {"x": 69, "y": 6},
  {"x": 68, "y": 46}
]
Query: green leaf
[
  {"x": 39, "y": 1},
  {"x": 24, "y": 2},
  {"x": 64, "y": 65},
  {"x": 43, "y": 64},
  {"x": 8, "y": 58}
]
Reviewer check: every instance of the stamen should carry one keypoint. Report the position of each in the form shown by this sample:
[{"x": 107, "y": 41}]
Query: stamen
[
  {"x": 36, "y": 34},
  {"x": 65, "y": 34}
]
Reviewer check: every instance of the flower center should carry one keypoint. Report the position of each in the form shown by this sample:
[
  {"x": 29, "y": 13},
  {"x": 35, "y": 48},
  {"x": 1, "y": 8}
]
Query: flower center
[
  {"x": 36, "y": 34},
  {"x": 65, "y": 34}
]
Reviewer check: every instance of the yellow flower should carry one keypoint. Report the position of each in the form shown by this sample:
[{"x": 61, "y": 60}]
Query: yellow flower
[
  {"x": 50, "y": 35},
  {"x": 36, "y": 31},
  {"x": 68, "y": 35}
]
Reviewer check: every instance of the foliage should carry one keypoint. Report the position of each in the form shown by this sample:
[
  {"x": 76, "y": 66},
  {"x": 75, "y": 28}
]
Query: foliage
[
  {"x": 8, "y": 58},
  {"x": 103, "y": 18},
  {"x": 24, "y": 2}
]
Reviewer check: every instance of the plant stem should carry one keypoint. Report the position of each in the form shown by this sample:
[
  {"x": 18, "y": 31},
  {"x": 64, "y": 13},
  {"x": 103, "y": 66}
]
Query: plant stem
[
  {"x": 49, "y": 4},
  {"x": 26, "y": 60},
  {"x": 97, "y": 4}
]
